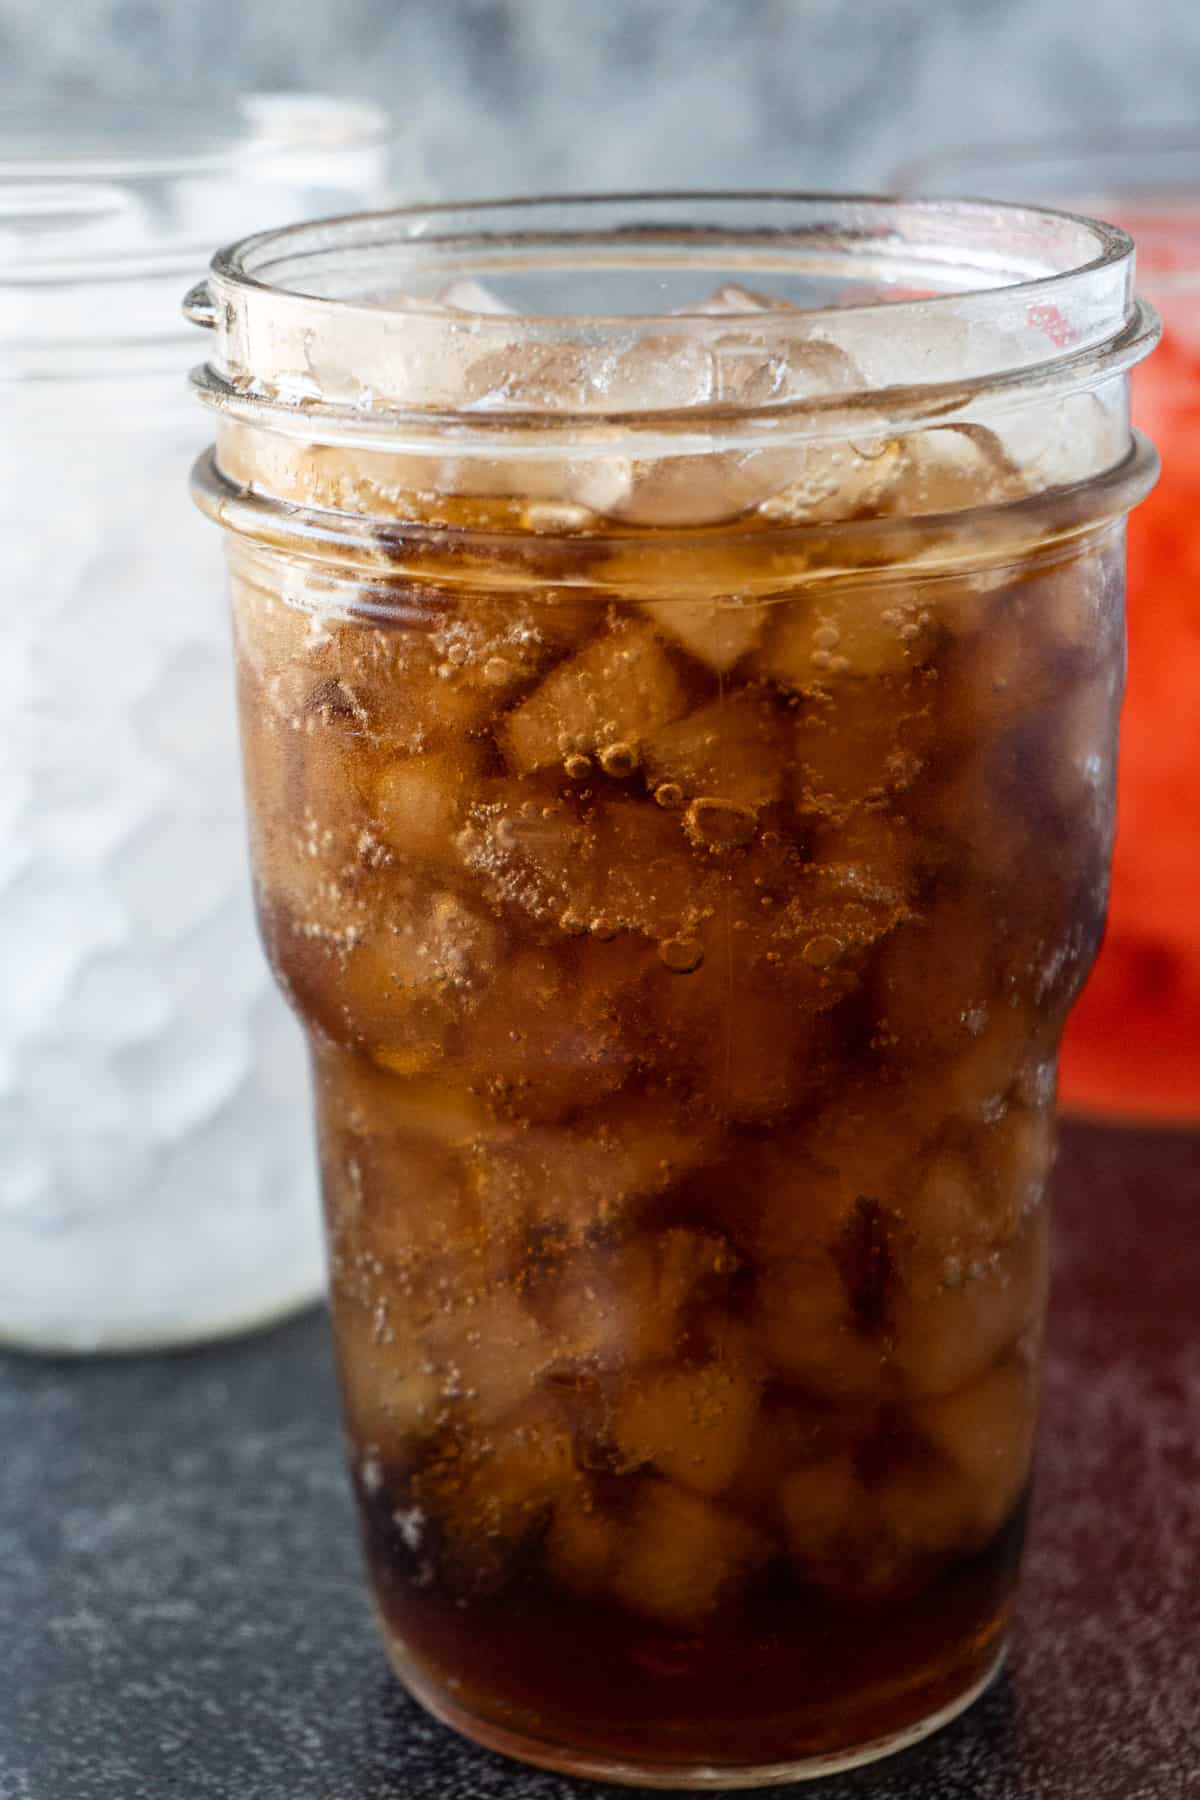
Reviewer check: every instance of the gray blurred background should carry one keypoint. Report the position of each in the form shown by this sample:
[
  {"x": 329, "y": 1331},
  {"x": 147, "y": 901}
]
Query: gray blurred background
[{"x": 501, "y": 96}]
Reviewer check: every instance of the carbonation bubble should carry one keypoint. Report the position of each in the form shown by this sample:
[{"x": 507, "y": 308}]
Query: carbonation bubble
[
  {"x": 682, "y": 954},
  {"x": 822, "y": 950},
  {"x": 720, "y": 824},
  {"x": 618, "y": 760}
]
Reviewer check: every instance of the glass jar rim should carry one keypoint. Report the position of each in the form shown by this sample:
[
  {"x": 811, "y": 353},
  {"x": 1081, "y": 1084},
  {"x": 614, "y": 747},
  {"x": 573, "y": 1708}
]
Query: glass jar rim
[
  {"x": 104, "y": 213},
  {"x": 1148, "y": 177},
  {"x": 157, "y": 142},
  {"x": 324, "y": 328}
]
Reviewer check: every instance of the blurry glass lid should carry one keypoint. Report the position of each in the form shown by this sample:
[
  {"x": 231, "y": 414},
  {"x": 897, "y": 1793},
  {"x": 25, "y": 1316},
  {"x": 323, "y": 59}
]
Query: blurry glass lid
[{"x": 106, "y": 209}]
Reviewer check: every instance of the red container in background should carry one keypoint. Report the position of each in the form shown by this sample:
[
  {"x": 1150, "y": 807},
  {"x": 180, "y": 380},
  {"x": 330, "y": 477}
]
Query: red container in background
[{"x": 1132, "y": 1045}]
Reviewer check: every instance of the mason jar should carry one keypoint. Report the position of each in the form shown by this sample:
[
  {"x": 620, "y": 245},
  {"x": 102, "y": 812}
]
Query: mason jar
[
  {"x": 156, "y": 1172},
  {"x": 679, "y": 649}
]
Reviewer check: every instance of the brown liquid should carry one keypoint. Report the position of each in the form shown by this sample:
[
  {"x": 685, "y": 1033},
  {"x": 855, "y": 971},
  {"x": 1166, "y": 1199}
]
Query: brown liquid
[
  {"x": 685, "y": 980},
  {"x": 786, "y": 1670}
]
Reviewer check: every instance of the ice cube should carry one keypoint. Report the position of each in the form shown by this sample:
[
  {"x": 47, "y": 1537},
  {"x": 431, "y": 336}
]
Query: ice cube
[
  {"x": 956, "y": 1485},
  {"x": 803, "y": 484},
  {"x": 827, "y": 482},
  {"x": 606, "y": 865},
  {"x": 417, "y": 697},
  {"x": 836, "y": 913},
  {"x": 424, "y": 680},
  {"x": 466, "y": 294},
  {"x": 391, "y": 1396},
  {"x": 1077, "y": 605},
  {"x": 963, "y": 602},
  {"x": 746, "y": 1048},
  {"x": 953, "y": 1316},
  {"x": 730, "y": 297},
  {"x": 309, "y": 818},
  {"x": 778, "y": 1199},
  {"x": 400, "y": 986},
  {"x": 692, "y": 1424},
  {"x": 819, "y": 1502},
  {"x": 489, "y": 1351},
  {"x": 478, "y": 489},
  {"x": 490, "y": 1503},
  {"x": 397, "y": 686},
  {"x": 871, "y": 1135},
  {"x": 944, "y": 1210},
  {"x": 502, "y": 642},
  {"x": 618, "y": 689},
  {"x": 730, "y": 749},
  {"x": 357, "y": 1095},
  {"x": 791, "y": 1434},
  {"x": 269, "y": 634},
  {"x": 859, "y": 745},
  {"x": 681, "y": 1556},
  {"x": 649, "y": 373},
  {"x": 648, "y": 878},
  {"x": 978, "y": 1081},
  {"x": 985, "y": 1434},
  {"x": 1016, "y": 1155},
  {"x": 808, "y": 1331},
  {"x": 312, "y": 951},
  {"x": 420, "y": 802},
  {"x": 920, "y": 1509},
  {"x": 742, "y": 367},
  {"x": 534, "y": 1051},
  {"x": 880, "y": 845},
  {"x": 784, "y": 941},
  {"x": 623, "y": 1305},
  {"x": 1084, "y": 749},
  {"x": 837, "y": 631},
  {"x": 953, "y": 467},
  {"x": 1005, "y": 673},
  {"x": 935, "y": 979},
  {"x": 716, "y": 632},
  {"x": 404, "y": 1220},
  {"x": 578, "y": 1182},
  {"x": 705, "y": 489},
  {"x": 582, "y": 1543},
  {"x": 535, "y": 853}
]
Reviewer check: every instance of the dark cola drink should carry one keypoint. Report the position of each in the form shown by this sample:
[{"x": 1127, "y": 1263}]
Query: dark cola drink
[{"x": 685, "y": 978}]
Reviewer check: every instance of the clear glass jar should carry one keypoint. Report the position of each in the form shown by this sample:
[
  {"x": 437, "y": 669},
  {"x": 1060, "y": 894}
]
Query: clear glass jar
[
  {"x": 1132, "y": 1049},
  {"x": 679, "y": 644},
  {"x": 155, "y": 1161}
]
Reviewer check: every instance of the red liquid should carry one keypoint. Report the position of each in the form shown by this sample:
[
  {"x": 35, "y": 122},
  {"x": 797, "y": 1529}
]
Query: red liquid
[{"x": 1132, "y": 1045}]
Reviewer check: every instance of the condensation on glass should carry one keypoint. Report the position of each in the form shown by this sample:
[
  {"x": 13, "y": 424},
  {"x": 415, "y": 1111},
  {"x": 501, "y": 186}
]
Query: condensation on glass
[
  {"x": 155, "y": 1150},
  {"x": 679, "y": 647}
]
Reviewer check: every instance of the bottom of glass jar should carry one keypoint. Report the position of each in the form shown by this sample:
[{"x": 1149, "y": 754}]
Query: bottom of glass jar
[{"x": 691, "y": 1775}]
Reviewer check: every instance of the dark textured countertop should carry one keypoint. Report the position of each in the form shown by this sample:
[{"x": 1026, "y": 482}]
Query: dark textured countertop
[{"x": 183, "y": 1614}]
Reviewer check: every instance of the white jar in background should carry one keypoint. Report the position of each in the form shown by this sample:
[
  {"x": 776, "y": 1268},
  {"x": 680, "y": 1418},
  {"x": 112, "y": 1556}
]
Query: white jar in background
[{"x": 157, "y": 1180}]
